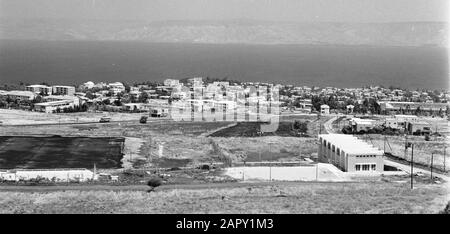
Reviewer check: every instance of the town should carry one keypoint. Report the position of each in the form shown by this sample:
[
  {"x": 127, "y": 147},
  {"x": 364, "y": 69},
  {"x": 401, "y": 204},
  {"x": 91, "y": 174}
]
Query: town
[{"x": 122, "y": 134}]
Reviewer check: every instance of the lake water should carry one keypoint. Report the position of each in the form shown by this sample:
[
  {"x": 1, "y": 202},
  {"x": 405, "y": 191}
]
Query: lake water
[{"x": 70, "y": 62}]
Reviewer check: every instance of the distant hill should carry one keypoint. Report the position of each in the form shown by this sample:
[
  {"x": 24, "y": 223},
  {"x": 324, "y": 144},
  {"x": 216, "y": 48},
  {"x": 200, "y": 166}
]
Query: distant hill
[{"x": 234, "y": 31}]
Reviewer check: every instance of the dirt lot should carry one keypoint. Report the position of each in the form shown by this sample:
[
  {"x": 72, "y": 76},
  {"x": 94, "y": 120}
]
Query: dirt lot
[
  {"x": 20, "y": 117},
  {"x": 60, "y": 152},
  {"x": 308, "y": 197}
]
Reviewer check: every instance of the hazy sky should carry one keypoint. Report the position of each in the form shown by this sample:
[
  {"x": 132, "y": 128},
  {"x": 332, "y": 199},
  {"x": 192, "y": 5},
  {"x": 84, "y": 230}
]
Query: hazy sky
[{"x": 273, "y": 10}]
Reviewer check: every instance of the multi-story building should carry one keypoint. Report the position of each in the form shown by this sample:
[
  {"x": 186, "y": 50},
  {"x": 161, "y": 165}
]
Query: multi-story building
[
  {"x": 171, "y": 82},
  {"x": 116, "y": 87},
  {"x": 39, "y": 89},
  {"x": 63, "y": 90}
]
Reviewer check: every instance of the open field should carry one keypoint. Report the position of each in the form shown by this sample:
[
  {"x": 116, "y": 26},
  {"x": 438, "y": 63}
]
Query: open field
[
  {"x": 20, "y": 117},
  {"x": 59, "y": 152},
  {"x": 307, "y": 197}
]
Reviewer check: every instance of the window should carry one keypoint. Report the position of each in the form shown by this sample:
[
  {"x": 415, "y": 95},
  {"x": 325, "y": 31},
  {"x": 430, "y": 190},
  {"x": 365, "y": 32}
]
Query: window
[
  {"x": 358, "y": 167},
  {"x": 373, "y": 167},
  {"x": 365, "y": 167}
]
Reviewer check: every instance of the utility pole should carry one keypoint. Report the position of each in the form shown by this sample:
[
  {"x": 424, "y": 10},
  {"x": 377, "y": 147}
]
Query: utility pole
[
  {"x": 431, "y": 169},
  {"x": 412, "y": 162},
  {"x": 317, "y": 171},
  {"x": 406, "y": 146},
  {"x": 445, "y": 149},
  {"x": 270, "y": 163}
]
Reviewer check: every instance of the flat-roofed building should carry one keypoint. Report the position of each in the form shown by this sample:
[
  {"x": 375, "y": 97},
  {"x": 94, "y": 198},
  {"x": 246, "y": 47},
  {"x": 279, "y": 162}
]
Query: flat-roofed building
[
  {"x": 57, "y": 175},
  {"x": 39, "y": 89},
  {"x": 324, "y": 109},
  {"x": 362, "y": 125},
  {"x": 171, "y": 82},
  {"x": 63, "y": 90},
  {"x": 20, "y": 95},
  {"x": 349, "y": 153},
  {"x": 50, "y": 107},
  {"x": 413, "y": 107}
]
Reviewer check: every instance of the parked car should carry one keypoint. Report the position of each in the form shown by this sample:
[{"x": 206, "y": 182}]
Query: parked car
[{"x": 105, "y": 119}]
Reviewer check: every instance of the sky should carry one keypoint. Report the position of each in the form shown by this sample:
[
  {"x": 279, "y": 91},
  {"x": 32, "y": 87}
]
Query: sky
[{"x": 271, "y": 10}]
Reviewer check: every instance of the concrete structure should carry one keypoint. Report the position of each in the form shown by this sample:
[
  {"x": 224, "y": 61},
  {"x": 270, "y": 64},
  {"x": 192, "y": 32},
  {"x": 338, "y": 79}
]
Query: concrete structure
[
  {"x": 63, "y": 90},
  {"x": 20, "y": 95},
  {"x": 324, "y": 109},
  {"x": 56, "y": 175},
  {"x": 171, "y": 82},
  {"x": 39, "y": 89},
  {"x": 418, "y": 127},
  {"x": 362, "y": 125},
  {"x": 116, "y": 87},
  {"x": 349, "y": 153},
  {"x": 50, "y": 107},
  {"x": 399, "y": 122},
  {"x": 413, "y": 107},
  {"x": 196, "y": 81}
]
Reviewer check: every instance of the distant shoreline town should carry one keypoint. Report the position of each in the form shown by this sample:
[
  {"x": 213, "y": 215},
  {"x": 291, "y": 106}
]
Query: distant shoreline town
[{"x": 157, "y": 96}]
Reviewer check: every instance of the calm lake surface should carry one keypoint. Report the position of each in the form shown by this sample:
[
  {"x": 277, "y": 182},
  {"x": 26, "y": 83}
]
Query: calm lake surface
[{"x": 70, "y": 62}]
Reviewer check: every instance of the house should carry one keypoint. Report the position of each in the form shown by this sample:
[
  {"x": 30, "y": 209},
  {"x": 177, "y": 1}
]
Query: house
[
  {"x": 159, "y": 112},
  {"x": 63, "y": 90},
  {"x": 418, "y": 127},
  {"x": 87, "y": 85},
  {"x": 324, "y": 109},
  {"x": 349, "y": 153},
  {"x": 171, "y": 82},
  {"x": 196, "y": 81},
  {"x": 132, "y": 106},
  {"x": 116, "y": 87},
  {"x": 350, "y": 108},
  {"x": 399, "y": 122}
]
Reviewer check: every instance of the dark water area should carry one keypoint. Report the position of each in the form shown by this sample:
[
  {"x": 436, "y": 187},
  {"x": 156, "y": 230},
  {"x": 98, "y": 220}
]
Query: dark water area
[
  {"x": 74, "y": 62},
  {"x": 60, "y": 152}
]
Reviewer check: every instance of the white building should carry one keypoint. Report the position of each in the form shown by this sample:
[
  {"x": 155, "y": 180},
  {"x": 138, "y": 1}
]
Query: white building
[
  {"x": 362, "y": 125},
  {"x": 116, "y": 87},
  {"x": 325, "y": 109},
  {"x": 171, "y": 82},
  {"x": 88, "y": 85},
  {"x": 56, "y": 175},
  {"x": 50, "y": 107},
  {"x": 38, "y": 89},
  {"x": 20, "y": 95},
  {"x": 349, "y": 153},
  {"x": 63, "y": 90}
]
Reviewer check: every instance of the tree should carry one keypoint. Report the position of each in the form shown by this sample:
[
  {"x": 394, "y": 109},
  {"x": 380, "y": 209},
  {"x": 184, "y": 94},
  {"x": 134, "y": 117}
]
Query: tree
[
  {"x": 106, "y": 102},
  {"x": 143, "y": 97},
  {"x": 300, "y": 127},
  {"x": 153, "y": 183},
  {"x": 118, "y": 102}
]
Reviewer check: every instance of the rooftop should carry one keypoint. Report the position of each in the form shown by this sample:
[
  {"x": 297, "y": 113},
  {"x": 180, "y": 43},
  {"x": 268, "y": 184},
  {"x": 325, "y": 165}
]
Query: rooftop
[{"x": 350, "y": 144}]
